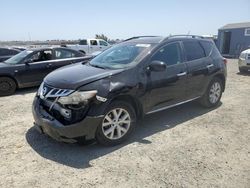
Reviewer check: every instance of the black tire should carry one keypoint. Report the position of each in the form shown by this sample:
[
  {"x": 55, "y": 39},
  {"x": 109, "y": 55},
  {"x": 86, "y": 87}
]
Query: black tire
[
  {"x": 205, "y": 99},
  {"x": 7, "y": 86},
  {"x": 104, "y": 140}
]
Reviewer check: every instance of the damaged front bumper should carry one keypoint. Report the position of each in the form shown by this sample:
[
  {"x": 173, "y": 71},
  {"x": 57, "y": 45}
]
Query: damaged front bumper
[{"x": 47, "y": 124}]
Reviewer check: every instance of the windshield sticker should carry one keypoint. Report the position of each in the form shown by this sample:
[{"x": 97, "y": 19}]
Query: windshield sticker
[{"x": 143, "y": 45}]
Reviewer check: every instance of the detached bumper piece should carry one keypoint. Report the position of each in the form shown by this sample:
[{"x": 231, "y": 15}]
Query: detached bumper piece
[{"x": 49, "y": 125}]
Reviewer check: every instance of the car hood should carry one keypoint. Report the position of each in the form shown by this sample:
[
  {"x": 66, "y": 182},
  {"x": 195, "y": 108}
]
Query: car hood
[
  {"x": 3, "y": 65},
  {"x": 77, "y": 75}
]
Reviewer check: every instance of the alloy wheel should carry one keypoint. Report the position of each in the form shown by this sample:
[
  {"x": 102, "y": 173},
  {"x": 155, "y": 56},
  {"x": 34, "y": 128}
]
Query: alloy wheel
[
  {"x": 215, "y": 92},
  {"x": 116, "y": 123}
]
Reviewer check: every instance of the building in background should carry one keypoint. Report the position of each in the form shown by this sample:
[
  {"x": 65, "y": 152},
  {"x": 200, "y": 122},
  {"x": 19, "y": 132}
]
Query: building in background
[{"x": 233, "y": 38}]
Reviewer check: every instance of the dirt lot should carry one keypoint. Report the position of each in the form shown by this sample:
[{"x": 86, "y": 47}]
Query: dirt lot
[{"x": 187, "y": 146}]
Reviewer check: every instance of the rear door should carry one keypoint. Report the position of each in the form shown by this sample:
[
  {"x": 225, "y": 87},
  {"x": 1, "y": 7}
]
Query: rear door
[
  {"x": 167, "y": 87},
  {"x": 197, "y": 67},
  {"x": 63, "y": 57}
]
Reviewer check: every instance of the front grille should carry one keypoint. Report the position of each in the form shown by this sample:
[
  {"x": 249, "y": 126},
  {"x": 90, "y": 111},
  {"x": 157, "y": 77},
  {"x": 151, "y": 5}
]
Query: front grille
[
  {"x": 248, "y": 56},
  {"x": 51, "y": 92}
]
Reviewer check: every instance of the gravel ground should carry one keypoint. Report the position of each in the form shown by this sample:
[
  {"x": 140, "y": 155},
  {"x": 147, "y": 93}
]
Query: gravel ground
[{"x": 187, "y": 146}]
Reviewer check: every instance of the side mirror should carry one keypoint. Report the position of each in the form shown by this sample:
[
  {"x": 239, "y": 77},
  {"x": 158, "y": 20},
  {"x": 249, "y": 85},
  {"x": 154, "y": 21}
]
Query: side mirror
[
  {"x": 157, "y": 66},
  {"x": 28, "y": 61}
]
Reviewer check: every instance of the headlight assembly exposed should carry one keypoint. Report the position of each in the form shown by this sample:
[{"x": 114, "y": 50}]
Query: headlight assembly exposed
[{"x": 77, "y": 97}]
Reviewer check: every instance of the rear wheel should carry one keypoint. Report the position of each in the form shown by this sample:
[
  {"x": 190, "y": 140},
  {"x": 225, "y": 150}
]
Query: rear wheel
[
  {"x": 7, "y": 86},
  {"x": 117, "y": 124},
  {"x": 213, "y": 93}
]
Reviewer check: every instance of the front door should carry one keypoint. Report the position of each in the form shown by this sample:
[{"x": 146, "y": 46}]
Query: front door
[
  {"x": 167, "y": 87},
  {"x": 39, "y": 65},
  {"x": 93, "y": 46}
]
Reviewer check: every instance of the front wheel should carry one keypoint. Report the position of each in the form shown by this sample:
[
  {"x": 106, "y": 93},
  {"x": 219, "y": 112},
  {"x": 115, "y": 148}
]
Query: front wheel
[
  {"x": 117, "y": 124},
  {"x": 7, "y": 86},
  {"x": 213, "y": 93}
]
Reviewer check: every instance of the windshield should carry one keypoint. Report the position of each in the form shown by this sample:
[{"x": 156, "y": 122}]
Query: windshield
[
  {"x": 17, "y": 58},
  {"x": 121, "y": 56}
]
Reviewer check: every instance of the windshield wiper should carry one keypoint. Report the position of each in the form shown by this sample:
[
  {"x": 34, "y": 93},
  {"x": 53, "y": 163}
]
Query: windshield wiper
[{"x": 97, "y": 66}]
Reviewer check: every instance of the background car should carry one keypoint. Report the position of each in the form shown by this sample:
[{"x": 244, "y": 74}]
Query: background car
[
  {"x": 89, "y": 46},
  {"x": 6, "y": 53},
  {"x": 244, "y": 61},
  {"x": 29, "y": 67}
]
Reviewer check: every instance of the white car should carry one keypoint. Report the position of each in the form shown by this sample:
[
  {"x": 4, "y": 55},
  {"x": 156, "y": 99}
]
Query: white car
[
  {"x": 244, "y": 61},
  {"x": 89, "y": 46}
]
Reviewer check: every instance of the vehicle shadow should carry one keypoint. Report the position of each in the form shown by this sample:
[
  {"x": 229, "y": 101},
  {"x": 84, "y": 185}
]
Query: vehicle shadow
[
  {"x": 25, "y": 91},
  {"x": 77, "y": 156},
  {"x": 243, "y": 73}
]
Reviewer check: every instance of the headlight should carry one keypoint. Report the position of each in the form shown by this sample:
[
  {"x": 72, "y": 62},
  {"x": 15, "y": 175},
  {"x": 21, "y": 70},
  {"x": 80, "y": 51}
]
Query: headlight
[
  {"x": 77, "y": 97},
  {"x": 243, "y": 56},
  {"x": 40, "y": 89}
]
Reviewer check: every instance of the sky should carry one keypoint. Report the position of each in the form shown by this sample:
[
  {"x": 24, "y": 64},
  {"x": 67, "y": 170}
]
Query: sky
[{"x": 117, "y": 19}]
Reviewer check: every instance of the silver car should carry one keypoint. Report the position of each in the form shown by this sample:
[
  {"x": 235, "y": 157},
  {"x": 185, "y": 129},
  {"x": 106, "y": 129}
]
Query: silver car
[{"x": 244, "y": 61}]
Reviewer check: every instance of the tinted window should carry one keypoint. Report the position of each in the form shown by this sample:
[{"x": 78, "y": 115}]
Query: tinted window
[
  {"x": 62, "y": 54},
  {"x": 193, "y": 50},
  {"x": 41, "y": 56},
  {"x": 169, "y": 54},
  {"x": 102, "y": 43},
  {"x": 207, "y": 46},
  {"x": 93, "y": 42},
  {"x": 83, "y": 42}
]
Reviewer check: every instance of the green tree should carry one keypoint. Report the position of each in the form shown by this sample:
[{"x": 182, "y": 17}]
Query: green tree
[{"x": 101, "y": 36}]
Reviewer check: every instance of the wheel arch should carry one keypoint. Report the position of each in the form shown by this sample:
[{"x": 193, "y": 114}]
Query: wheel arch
[
  {"x": 132, "y": 101},
  {"x": 11, "y": 77},
  {"x": 223, "y": 79},
  {"x": 82, "y": 51}
]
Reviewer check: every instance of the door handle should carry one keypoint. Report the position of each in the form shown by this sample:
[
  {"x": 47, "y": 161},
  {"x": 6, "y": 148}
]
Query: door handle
[
  {"x": 182, "y": 74},
  {"x": 210, "y": 65},
  {"x": 49, "y": 65}
]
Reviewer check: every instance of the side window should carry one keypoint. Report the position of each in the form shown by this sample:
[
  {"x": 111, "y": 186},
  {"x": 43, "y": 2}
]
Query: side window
[
  {"x": 93, "y": 42},
  {"x": 83, "y": 42},
  {"x": 103, "y": 43},
  {"x": 41, "y": 56},
  {"x": 62, "y": 54},
  {"x": 193, "y": 50},
  {"x": 169, "y": 54},
  {"x": 207, "y": 46}
]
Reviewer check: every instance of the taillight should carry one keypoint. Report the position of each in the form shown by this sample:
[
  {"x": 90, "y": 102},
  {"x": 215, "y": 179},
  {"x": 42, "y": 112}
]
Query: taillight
[{"x": 225, "y": 61}]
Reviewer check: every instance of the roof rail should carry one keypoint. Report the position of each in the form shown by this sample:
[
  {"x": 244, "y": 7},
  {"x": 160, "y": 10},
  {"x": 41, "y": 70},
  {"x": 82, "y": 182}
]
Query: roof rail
[
  {"x": 190, "y": 36},
  {"x": 137, "y": 37}
]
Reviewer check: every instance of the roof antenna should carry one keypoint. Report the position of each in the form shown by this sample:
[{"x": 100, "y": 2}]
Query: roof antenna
[{"x": 188, "y": 33}]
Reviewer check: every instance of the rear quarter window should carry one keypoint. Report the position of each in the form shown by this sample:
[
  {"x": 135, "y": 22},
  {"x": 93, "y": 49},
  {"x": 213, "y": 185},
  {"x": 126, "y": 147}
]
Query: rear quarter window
[
  {"x": 207, "y": 46},
  {"x": 193, "y": 50}
]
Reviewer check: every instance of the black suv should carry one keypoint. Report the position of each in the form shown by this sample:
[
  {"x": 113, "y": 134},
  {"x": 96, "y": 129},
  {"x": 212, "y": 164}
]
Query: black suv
[{"x": 104, "y": 98}]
